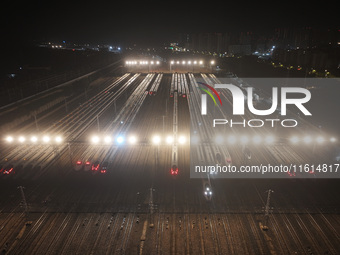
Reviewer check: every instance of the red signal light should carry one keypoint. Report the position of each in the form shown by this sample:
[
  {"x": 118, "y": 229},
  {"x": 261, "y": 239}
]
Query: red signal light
[
  {"x": 8, "y": 171},
  {"x": 95, "y": 167},
  {"x": 174, "y": 171}
]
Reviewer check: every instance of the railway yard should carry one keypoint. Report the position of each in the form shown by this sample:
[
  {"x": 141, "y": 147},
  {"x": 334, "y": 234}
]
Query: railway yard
[{"x": 99, "y": 176}]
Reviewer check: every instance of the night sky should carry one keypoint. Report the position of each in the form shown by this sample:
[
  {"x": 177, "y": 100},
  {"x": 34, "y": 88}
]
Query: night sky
[{"x": 147, "y": 23}]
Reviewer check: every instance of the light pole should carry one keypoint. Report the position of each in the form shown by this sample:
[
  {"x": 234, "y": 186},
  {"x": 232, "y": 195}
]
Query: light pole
[
  {"x": 267, "y": 210},
  {"x": 193, "y": 66},
  {"x": 69, "y": 151},
  {"x": 24, "y": 199},
  {"x": 171, "y": 63},
  {"x": 212, "y": 62},
  {"x": 35, "y": 120},
  {"x": 151, "y": 207},
  {"x": 98, "y": 122},
  {"x": 163, "y": 116}
]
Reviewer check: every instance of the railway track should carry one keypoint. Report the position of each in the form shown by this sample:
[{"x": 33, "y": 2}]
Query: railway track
[{"x": 105, "y": 214}]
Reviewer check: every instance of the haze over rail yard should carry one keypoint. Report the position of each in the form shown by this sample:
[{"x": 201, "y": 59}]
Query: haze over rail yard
[{"x": 137, "y": 129}]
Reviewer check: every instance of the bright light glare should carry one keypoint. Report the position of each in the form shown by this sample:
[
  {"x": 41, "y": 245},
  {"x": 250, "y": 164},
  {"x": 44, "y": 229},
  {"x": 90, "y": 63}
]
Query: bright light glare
[
  {"x": 9, "y": 139},
  {"x": 294, "y": 139},
  {"x": 120, "y": 139},
  {"x": 231, "y": 139},
  {"x": 156, "y": 139},
  {"x": 307, "y": 139},
  {"x": 133, "y": 139},
  {"x": 270, "y": 139},
  {"x": 169, "y": 139},
  {"x": 333, "y": 139},
  {"x": 58, "y": 139},
  {"x": 257, "y": 139},
  {"x": 244, "y": 139},
  {"x": 219, "y": 139},
  {"x": 22, "y": 139},
  {"x": 182, "y": 139},
  {"x": 95, "y": 139},
  {"x": 320, "y": 139},
  {"x": 46, "y": 139},
  {"x": 107, "y": 139},
  {"x": 34, "y": 139}
]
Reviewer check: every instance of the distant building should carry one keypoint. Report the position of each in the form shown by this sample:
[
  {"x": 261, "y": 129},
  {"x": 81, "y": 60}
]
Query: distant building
[
  {"x": 305, "y": 37},
  {"x": 239, "y": 49},
  {"x": 317, "y": 58},
  {"x": 286, "y": 38}
]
